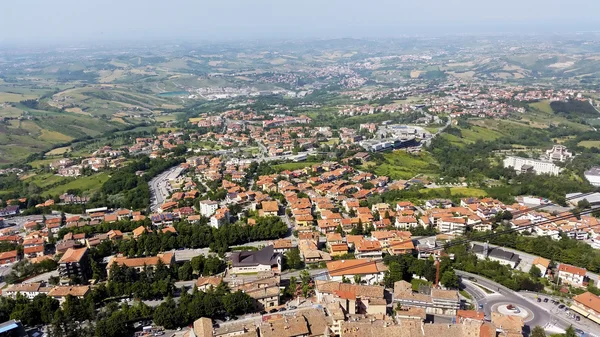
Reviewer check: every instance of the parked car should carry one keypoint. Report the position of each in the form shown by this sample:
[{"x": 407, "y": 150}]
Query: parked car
[
  {"x": 263, "y": 312},
  {"x": 281, "y": 309},
  {"x": 292, "y": 307},
  {"x": 481, "y": 306},
  {"x": 273, "y": 311},
  {"x": 561, "y": 306},
  {"x": 577, "y": 318},
  {"x": 539, "y": 299},
  {"x": 546, "y": 300}
]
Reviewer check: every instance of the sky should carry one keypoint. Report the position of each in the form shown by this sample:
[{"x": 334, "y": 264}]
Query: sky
[{"x": 53, "y": 21}]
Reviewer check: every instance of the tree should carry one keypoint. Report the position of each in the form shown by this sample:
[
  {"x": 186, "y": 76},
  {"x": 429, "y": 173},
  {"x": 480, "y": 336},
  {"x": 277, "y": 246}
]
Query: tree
[
  {"x": 293, "y": 259},
  {"x": 185, "y": 271},
  {"x": 535, "y": 272},
  {"x": 538, "y": 331},
  {"x": 166, "y": 315},
  {"x": 237, "y": 303},
  {"x": 570, "y": 332},
  {"x": 357, "y": 279},
  {"x": 449, "y": 279},
  {"x": 393, "y": 274},
  {"x": 291, "y": 289},
  {"x": 305, "y": 277}
]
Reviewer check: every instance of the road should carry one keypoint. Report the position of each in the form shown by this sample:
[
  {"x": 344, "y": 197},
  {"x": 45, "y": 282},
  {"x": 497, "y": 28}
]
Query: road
[
  {"x": 542, "y": 316},
  {"x": 159, "y": 189}
]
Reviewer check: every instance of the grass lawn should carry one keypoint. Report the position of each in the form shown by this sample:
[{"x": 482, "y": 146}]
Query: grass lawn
[
  {"x": 589, "y": 143},
  {"x": 167, "y": 130},
  {"x": 53, "y": 136},
  {"x": 543, "y": 106},
  {"x": 165, "y": 118},
  {"x": 87, "y": 185},
  {"x": 13, "y": 97},
  {"x": 58, "y": 151},
  {"x": 476, "y": 133},
  {"x": 41, "y": 162},
  {"x": 293, "y": 166},
  {"x": 403, "y": 165},
  {"x": 46, "y": 179}
]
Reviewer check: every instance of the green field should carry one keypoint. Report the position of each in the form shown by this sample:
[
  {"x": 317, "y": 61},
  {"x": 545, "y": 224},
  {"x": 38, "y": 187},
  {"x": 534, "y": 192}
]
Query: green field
[
  {"x": 45, "y": 180},
  {"x": 402, "y": 165},
  {"x": 462, "y": 191},
  {"x": 589, "y": 143},
  {"x": 293, "y": 166},
  {"x": 88, "y": 185},
  {"x": 543, "y": 106}
]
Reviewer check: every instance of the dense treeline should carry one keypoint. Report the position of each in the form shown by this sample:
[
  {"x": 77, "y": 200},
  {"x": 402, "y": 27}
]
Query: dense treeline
[
  {"x": 574, "y": 108},
  {"x": 464, "y": 260},
  {"x": 113, "y": 320},
  {"x": 565, "y": 250},
  {"x": 29, "y": 312},
  {"x": 150, "y": 283},
  {"x": 404, "y": 267},
  {"x": 188, "y": 236},
  {"x": 202, "y": 236},
  {"x": 214, "y": 303}
]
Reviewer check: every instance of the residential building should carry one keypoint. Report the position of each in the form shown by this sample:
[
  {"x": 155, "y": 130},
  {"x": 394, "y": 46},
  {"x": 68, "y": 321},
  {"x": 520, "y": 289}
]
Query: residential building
[
  {"x": 587, "y": 305},
  {"x": 504, "y": 257},
  {"x": 572, "y": 275},
  {"x": 75, "y": 264},
  {"x": 61, "y": 292},
  {"x": 265, "y": 292},
  {"x": 369, "y": 271},
  {"x": 139, "y": 263},
  {"x": 208, "y": 207},
  {"x": 353, "y": 298},
  {"x": 205, "y": 283},
  {"x": 29, "y": 290},
  {"x": 8, "y": 257},
  {"x": 435, "y": 301},
  {"x": 542, "y": 264},
  {"x": 269, "y": 208}
]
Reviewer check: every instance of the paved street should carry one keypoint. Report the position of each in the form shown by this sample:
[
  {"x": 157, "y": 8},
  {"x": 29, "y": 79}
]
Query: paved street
[{"x": 542, "y": 316}]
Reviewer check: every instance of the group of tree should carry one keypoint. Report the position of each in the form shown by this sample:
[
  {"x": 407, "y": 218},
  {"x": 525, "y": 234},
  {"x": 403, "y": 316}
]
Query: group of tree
[
  {"x": 217, "y": 302},
  {"x": 150, "y": 283},
  {"x": 127, "y": 189}
]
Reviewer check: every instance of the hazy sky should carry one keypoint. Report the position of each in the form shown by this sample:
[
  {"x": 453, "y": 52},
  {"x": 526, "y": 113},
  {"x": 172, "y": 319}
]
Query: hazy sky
[{"x": 89, "y": 20}]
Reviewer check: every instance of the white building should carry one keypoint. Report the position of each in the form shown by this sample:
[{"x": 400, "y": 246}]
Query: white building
[
  {"x": 527, "y": 164},
  {"x": 558, "y": 153},
  {"x": 572, "y": 275},
  {"x": 29, "y": 290},
  {"x": 593, "y": 175},
  {"x": 208, "y": 207}
]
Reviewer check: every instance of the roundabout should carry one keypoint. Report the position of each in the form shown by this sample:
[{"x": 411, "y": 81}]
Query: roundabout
[{"x": 512, "y": 309}]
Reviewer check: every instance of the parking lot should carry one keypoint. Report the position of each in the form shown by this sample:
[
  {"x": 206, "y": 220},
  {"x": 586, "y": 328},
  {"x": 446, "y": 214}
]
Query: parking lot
[{"x": 556, "y": 309}]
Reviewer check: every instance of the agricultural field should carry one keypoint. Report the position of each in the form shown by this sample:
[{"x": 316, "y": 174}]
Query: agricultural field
[{"x": 590, "y": 143}]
